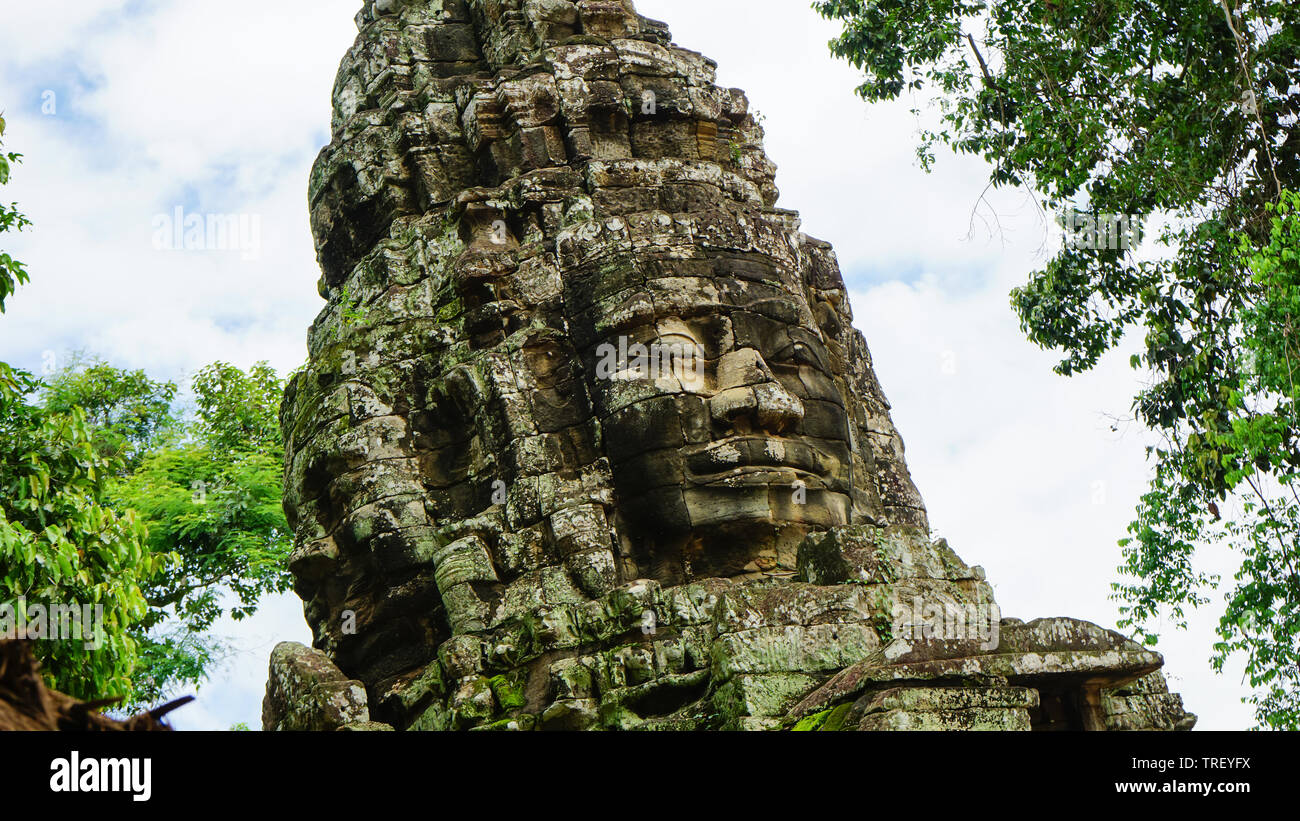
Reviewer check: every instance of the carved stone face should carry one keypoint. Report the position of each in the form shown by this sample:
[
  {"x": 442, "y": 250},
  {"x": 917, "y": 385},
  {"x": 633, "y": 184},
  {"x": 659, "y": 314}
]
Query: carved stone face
[
  {"x": 580, "y": 384},
  {"x": 571, "y": 343},
  {"x": 721, "y": 417}
]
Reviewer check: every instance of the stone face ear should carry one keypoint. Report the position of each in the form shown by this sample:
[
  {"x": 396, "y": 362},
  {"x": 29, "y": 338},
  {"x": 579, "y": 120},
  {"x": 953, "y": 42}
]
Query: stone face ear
[{"x": 587, "y": 438}]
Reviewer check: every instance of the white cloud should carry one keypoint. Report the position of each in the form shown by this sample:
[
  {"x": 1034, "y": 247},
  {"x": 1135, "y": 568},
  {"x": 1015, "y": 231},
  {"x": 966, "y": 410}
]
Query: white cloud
[
  {"x": 241, "y": 81},
  {"x": 214, "y": 107},
  {"x": 37, "y": 31},
  {"x": 234, "y": 692},
  {"x": 222, "y": 107}
]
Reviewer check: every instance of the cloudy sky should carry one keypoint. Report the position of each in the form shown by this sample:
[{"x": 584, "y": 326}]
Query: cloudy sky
[{"x": 131, "y": 109}]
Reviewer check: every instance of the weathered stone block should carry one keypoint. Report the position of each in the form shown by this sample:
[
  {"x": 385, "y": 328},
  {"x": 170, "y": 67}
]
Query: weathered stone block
[
  {"x": 305, "y": 691},
  {"x": 767, "y": 695},
  {"x": 949, "y": 708},
  {"x": 822, "y": 647}
]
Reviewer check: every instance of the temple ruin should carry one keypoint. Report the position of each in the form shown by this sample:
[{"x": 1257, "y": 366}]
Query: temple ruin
[{"x": 587, "y": 439}]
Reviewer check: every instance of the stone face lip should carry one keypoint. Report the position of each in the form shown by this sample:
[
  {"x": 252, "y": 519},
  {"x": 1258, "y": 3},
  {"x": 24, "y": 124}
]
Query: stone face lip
[
  {"x": 305, "y": 691},
  {"x": 587, "y": 438}
]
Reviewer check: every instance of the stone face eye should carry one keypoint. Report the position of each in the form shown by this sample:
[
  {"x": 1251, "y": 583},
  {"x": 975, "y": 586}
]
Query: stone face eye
[{"x": 800, "y": 354}]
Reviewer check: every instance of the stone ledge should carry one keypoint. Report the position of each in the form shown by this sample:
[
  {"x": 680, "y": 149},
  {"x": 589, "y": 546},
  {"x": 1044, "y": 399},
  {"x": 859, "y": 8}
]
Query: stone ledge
[{"x": 305, "y": 691}]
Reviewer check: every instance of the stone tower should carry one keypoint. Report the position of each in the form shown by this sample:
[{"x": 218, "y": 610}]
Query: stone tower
[{"x": 587, "y": 438}]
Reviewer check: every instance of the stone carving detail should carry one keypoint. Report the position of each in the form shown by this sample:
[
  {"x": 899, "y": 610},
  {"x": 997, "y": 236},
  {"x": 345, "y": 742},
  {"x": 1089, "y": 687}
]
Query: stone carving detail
[
  {"x": 587, "y": 437},
  {"x": 306, "y": 691}
]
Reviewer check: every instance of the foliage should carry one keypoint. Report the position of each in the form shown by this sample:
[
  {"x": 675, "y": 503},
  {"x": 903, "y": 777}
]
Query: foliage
[
  {"x": 204, "y": 495},
  {"x": 213, "y": 499},
  {"x": 1148, "y": 107},
  {"x": 220, "y": 511},
  {"x": 1250, "y": 457},
  {"x": 12, "y": 272},
  {"x": 130, "y": 412},
  {"x": 60, "y": 543},
  {"x": 108, "y": 496},
  {"x": 239, "y": 410}
]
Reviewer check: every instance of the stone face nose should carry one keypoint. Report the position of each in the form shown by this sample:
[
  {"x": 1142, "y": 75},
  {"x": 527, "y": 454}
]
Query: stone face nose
[{"x": 750, "y": 397}]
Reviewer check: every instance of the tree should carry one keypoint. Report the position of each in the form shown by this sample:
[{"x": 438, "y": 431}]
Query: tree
[
  {"x": 1112, "y": 110},
  {"x": 131, "y": 413},
  {"x": 108, "y": 495},
  {"x": 12, "y": 272},
  {"x": 60, "y": 544},
  {"x": 206, "y": 486},
  {"x": 215, "y": 500}
]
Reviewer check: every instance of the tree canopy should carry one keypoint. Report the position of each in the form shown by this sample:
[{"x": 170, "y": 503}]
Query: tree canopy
[
  {"x": 113, "y": 496},
  {"x": 205, "y": 485},
  {"x": 1148, "y": 109},
  {"x": 61, "y": 543}
]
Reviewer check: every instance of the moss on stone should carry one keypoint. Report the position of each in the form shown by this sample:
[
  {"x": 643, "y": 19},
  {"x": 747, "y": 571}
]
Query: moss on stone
[
  {"x": 509, "y": 690},
  {"x": 813, "y": 722}
]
